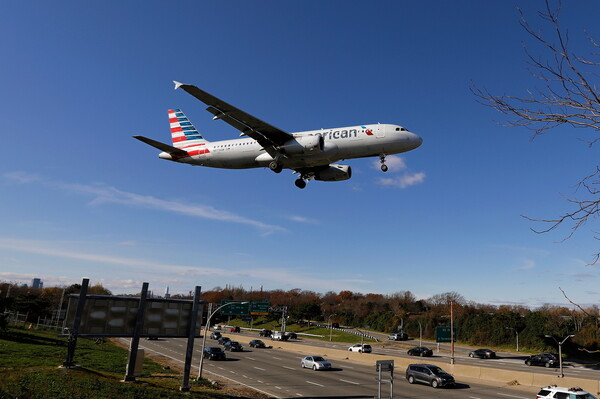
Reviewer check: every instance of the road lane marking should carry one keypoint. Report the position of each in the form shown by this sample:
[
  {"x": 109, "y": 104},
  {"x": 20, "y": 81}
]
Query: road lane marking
[
  {"x": 251, "y": 358},
  {"x": 349, "y": 382},
  {"x": 314, "y": 383},
  {"x": 289, "y": 368},
  {"x": 512, "y": 396},
  {"x": 276, "y": 358},
  {"x": 473, "y": 397},
  {"x": 258, "y": 368},
  {"x": 222, "y": 376}
]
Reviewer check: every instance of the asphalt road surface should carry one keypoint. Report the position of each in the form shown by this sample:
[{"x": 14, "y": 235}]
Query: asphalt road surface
[{"x": 278, "y": 373}]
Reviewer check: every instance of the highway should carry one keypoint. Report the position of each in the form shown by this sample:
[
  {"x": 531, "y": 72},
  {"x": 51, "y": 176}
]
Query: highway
[
  {"x": 505, "y": 360},
  {"x": 277, "y": 373}
]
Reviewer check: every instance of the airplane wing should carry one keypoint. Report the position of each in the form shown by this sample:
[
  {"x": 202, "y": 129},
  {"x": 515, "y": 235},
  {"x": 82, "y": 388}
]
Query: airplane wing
[{"x": 267, "y": 135}]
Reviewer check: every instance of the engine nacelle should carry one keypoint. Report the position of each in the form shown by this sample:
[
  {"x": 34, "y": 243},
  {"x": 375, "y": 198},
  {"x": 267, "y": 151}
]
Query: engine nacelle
[
  {"x": 334, "y": 173},
  {"x": 304, "y": 145}
]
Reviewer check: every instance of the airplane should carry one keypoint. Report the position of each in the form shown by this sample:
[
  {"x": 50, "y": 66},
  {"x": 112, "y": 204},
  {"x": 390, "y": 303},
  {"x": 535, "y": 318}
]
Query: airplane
[{"x": 310, "y": 154}]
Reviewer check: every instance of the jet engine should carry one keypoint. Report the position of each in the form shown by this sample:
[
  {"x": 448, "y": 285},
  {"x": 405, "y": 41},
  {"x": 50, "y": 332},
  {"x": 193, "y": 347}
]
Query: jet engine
[
  {"x": 334, "y": 173},
  {"x": 304, "y": 145}
]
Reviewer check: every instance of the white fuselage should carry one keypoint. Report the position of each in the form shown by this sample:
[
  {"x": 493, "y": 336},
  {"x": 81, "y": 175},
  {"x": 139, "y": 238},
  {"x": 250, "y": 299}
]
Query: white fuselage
[{"x": 339, "y": 143}]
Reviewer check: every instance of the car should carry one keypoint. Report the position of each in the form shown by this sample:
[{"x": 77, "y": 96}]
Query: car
[
  {"x": 543, "y": 359},
  {"x": 555, "y": 392},
  {"x": 315, "y": 363},
  {"x": 420, "y": 351},
  {"x": 233, "y": 346},
  {"x": 428, "y": 374},
  {"x": 235, "y": 330},
  {"x": 256, "y": 343},
  {"x": 483, "y": 353},
  {"x": 361, "y": 348},
  {"x": 265, "y": 333},
  {"x": 215, "y": 335},
  {"x": 279, "y": 336},
  {"x": 400, "y": 336},
  {"x": 214, "y": 353},
  {"x": 292, "y": 335},
  {"x": 217, "y": 327},
  {"x": 224, "y": 340}
]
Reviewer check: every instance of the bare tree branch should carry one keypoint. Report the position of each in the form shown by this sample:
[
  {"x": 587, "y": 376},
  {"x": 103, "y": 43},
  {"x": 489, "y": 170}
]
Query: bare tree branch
[{"x": 570, "y": 96}]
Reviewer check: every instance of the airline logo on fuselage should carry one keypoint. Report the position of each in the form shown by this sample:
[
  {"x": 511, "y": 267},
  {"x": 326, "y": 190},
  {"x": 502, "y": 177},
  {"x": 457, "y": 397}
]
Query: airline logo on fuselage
[{"x": 341, "y": 134}]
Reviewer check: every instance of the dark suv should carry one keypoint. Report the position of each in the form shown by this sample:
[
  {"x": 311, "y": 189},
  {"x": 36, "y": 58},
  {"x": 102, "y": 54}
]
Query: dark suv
[
  {"x": 214, "y": 353},
  {"x": 428, "y": 374},
  {"x": 543, "y": 359}
]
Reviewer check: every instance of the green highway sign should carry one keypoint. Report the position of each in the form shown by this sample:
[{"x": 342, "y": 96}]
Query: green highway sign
[
  {"x": 259, "y": 308},
  {"x": 237, "y": 308},
  {"x": 442, "y": 334}
]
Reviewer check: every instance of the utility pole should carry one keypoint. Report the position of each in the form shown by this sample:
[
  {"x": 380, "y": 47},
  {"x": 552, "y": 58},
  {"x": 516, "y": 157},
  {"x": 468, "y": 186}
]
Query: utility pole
[
  {"x": 451, "y": 332},
  {"x": 561, "y": 375}
]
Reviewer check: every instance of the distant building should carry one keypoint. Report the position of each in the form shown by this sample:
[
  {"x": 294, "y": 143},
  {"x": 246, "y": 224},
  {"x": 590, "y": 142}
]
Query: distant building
[
  {"x": 37, "y": 283},
  {"x": 167, "y": 295}
]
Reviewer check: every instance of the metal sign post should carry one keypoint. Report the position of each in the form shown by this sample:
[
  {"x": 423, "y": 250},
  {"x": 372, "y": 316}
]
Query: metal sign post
[
  {"x": 135, "y": 340},
  {"x": 74, "y": 331},
  {"x": 185, "y": 383},
  {"x": 385, "y": 365}
]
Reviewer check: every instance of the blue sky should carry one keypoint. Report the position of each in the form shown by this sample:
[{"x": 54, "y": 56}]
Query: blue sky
[{"x": 81, "y": 198}]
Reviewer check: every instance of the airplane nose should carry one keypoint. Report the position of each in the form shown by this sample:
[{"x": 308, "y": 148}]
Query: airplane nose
[{"x": 417, "y": 141}]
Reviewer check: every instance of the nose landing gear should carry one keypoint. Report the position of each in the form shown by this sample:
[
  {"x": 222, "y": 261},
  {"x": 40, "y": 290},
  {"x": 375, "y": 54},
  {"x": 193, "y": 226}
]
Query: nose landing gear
[
  {"x": 300, "y": 183},
  {"x": 384, "y": 167}
]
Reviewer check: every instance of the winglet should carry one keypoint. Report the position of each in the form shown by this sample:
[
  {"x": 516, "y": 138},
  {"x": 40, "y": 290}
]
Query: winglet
[{"x": 177, "y": 84}]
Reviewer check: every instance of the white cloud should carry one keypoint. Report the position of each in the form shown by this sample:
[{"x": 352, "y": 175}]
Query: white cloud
[
  {"x": 404, "y": 181},
  {"x": 160, "y": 274},
  {"x": 302, "y": 219},
  {"x": 527, "y": 265},
  {"x": 107, "y": 194},
  {"x": 21, "y": 177}
]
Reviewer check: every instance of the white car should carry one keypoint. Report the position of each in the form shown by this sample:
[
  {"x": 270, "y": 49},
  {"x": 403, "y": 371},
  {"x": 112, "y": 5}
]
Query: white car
[
  {"x": 554, "y": 392},
  {"x": 361, "y": 348},
  {"x": 315, "y": 363}
]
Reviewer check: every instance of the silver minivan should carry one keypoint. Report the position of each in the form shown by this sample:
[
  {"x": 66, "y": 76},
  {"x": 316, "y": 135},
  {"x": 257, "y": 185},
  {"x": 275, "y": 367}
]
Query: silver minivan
[{"x": 428, "y": 374}]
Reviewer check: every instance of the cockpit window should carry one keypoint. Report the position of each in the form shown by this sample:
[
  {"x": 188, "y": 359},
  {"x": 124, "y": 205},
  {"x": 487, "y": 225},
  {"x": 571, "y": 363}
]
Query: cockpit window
[{"x": 401, "y": 129}]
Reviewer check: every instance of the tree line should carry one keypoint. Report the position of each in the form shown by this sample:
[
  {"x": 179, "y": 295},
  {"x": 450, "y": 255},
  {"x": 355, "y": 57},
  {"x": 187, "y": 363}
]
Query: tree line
[{"x": 477, "y": 324}]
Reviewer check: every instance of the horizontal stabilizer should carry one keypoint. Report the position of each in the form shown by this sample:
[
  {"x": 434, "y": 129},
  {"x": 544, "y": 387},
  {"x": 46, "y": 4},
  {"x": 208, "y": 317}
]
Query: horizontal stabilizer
[{"x": 161, "y": 146}]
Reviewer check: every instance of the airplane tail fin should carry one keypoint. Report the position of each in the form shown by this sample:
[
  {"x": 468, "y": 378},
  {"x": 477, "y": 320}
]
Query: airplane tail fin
[{"x": 183, "y": 133}]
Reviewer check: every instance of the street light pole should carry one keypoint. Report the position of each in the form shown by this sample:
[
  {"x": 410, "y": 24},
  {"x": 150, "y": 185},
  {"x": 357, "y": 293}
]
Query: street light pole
[
  {"x": 208, "y": 317},
  {"x": 330, "y": 325},
  {"x": 420, "y": 333},
  {"x": 561, "y": 375},
  {"x": 517, "y": 333}
]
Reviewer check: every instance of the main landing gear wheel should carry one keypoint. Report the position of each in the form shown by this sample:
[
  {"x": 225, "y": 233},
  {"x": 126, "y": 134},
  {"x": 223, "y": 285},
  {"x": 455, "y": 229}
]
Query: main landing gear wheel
[
  {"x": 275, "y": 166},
  {"x": 300, "y": 183},
  {"x": 384, "y": 167}
]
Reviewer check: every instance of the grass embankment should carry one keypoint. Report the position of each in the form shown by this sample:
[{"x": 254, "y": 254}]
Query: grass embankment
[
  {"x": 336, "y": 336},
  {"x": 29, "y": 361}
]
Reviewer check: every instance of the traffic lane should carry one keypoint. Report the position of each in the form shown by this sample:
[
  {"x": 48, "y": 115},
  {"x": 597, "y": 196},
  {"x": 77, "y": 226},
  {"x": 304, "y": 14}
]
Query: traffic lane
[
  {"x": 282, "y": 370},
  {"x": 514, "y": 363},
  {"x": 359, "y": 378},
  {"x": 279, "y": 372},
  {"x": 355, "y": 375}
]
